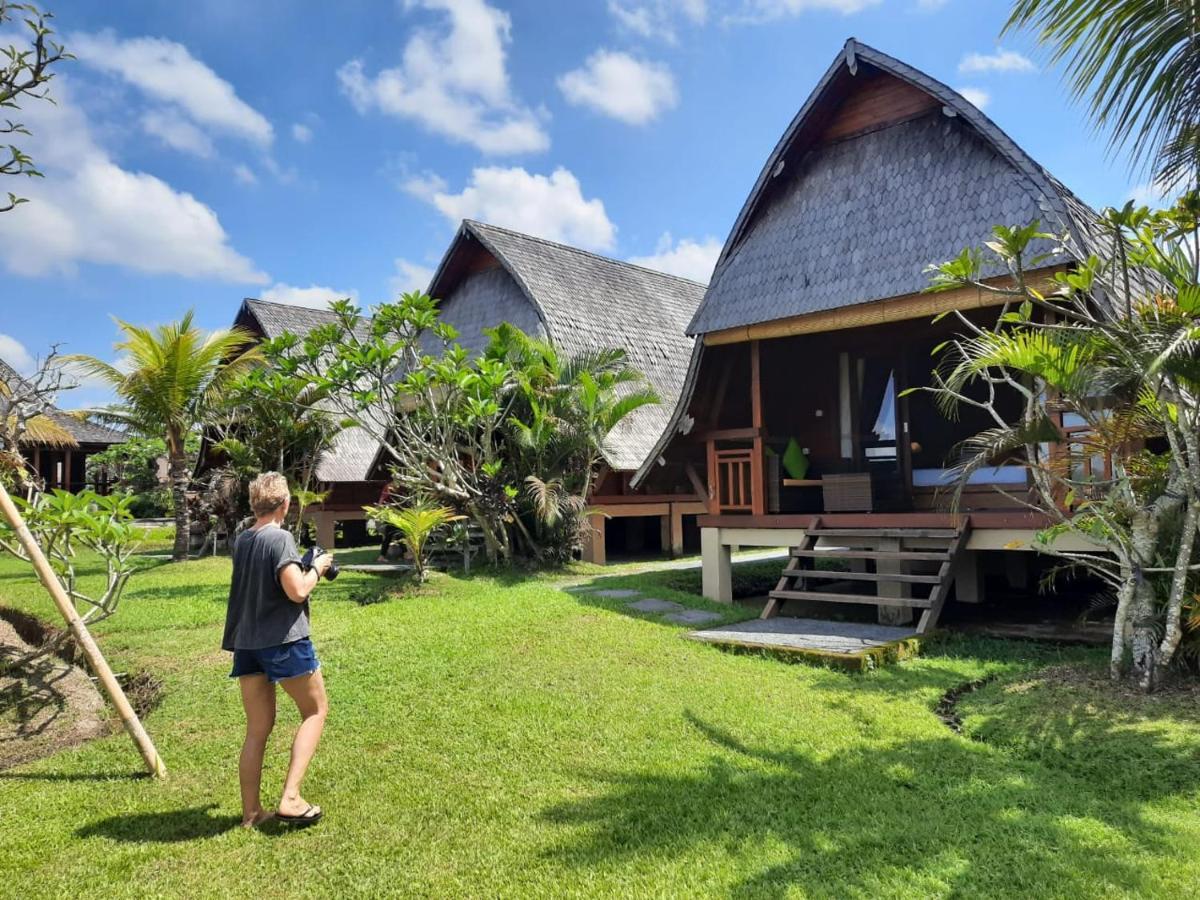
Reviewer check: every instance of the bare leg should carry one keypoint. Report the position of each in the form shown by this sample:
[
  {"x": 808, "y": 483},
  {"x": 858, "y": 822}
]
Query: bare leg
[
  {"x": 308, "y": 692},
  {"x": 258, "y": 699}
]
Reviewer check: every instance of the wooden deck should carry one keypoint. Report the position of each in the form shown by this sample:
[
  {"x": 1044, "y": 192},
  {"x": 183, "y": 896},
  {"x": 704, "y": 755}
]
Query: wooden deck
[{"x": 853, "y": 645}]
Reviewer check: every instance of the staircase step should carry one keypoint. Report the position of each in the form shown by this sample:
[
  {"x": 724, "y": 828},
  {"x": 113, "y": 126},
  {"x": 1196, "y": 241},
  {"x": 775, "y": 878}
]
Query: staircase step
[
  {"x": 924, "y": 533},
  {"x": 903, "y": 577},
  {"x": 866, "y": 599},
  {"x": 915, "y": 555}
]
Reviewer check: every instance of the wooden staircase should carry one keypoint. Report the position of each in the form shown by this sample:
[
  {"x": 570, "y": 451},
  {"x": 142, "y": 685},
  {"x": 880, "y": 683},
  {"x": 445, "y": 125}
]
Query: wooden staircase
[{"x": 900, "y": 562}]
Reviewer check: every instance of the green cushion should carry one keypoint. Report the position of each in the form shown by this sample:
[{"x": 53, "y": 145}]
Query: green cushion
[{"x": 795, "y": 463}]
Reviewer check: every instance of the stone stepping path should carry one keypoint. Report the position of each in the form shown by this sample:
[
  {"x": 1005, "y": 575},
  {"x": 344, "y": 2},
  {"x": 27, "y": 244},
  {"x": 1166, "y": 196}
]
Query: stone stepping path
[
  {"x": 652, "y": 605},
  {"x": 668, "y": 609},
  {"x": 693, "y": 617}
]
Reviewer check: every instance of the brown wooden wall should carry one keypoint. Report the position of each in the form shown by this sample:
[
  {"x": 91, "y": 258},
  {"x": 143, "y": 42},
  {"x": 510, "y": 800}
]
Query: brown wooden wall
[{"x": 878, "y": 101}]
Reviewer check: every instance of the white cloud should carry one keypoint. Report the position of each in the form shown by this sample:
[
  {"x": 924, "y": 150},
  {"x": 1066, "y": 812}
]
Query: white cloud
[
  {"x": 14, "y": 353},
  {"x": 550, "y": 206},
  {"x": 301, "y": 133},
  {"x": 167, "y": 72},
  {"x": 177, "y": 132},
  {"x": 410, "y": 276},
  {"x": 424, "y": 186},
  {"x": 453, "y": 83},
  {"x": 244, "y": 174},
  {"x": 89, "y": 209},
  {"x": 687, "y": 258},
  {"x": 1000, "y": 61},
  {"x": 931, "y": 5},
  {"x": 765, "y": 10},
  {"x": 1158, "y": 193},
  {"x": 314, "y": 295},
  {"x": 620, "y": 86},
  {"x": 656, "y": 18},
  {"x": 977, "y": 97}
]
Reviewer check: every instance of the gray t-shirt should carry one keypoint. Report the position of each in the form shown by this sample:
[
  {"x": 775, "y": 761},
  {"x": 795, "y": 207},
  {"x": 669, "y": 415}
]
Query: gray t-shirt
[{"x": 260, "y": 613}]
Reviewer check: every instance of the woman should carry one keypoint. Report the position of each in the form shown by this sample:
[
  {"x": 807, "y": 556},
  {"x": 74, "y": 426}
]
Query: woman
[{"x": 266, "y": 627}]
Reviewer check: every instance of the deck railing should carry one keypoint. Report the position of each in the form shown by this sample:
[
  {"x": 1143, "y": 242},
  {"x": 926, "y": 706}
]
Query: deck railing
[
  {"x": 735, "y": 482},
  {"x": 735, "y": 473}
]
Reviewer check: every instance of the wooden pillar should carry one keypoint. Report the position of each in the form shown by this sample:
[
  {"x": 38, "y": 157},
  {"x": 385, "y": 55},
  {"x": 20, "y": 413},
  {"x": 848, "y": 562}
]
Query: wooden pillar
[
  {"x": 758, "y": 481},
  {"x": 717, "y": 566},
  {"x": 66, "y": 475},
  {"x": 326, "y": 529},
  {"x": 714, "y": 480},
  {"x": 676, "y": 530},
  {"x": 593, "y": 541}
]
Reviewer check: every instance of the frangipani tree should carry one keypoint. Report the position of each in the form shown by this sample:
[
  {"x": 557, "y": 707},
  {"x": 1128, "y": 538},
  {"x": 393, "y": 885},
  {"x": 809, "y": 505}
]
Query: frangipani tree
[
  {"x": 1114, "y": 347},
  {"x": 506, "y": 437}
]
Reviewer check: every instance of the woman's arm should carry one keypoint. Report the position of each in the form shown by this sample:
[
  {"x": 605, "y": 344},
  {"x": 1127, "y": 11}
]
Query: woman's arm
[{"x": 298, "y": 583}]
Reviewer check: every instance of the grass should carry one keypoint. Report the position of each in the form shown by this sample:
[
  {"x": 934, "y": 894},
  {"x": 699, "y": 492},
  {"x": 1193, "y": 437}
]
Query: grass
[{"x": 498, "y": 736}]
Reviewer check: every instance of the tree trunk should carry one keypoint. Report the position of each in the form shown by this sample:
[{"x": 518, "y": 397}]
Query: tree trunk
[
  {"x": 1143, "y": 643},
  {"x": 1173, "y": 630},
  {"x": 180, "y": 478}
]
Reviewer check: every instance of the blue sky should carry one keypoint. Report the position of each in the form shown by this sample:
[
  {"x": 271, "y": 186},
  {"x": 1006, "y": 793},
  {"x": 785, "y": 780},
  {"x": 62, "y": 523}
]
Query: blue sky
[{"x": 202, "y": 152}]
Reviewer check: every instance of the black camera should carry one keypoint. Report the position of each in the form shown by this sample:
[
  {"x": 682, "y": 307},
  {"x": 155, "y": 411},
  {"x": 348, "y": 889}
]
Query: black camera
[{"x": 308, "y": 561}]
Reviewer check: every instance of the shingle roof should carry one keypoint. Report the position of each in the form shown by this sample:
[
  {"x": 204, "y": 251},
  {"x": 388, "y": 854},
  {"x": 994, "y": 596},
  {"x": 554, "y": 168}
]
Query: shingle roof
[
  {"x": 351, "y": 458},
  {"x": 276, "y": 318},
  {"x": 860, "y": 219},
  {"x": 83, "y": 432},
  {"x": 353, "y": 454},
  {"x": 588, "y": 302}
]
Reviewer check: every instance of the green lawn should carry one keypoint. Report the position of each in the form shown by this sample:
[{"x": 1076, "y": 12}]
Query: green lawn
[{"x": 502, "y": 737}]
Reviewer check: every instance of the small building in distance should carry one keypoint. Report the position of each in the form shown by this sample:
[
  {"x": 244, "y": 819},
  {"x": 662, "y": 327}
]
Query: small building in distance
[
  {"x": 62, "y": 464},
  {"x": 582, "y": 302}
]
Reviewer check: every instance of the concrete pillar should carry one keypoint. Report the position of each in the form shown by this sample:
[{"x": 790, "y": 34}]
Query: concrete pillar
[
  {"x": 968, "y": 577},
  {"x": 716, "y": 566},
  {"x": 593, "y": 540},
  {"x": 326, "y": 524},
  {"x": 892, "y": 615}
]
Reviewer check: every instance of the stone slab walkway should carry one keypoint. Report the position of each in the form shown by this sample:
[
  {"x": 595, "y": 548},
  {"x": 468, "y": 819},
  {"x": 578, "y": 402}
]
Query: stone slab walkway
[{"x": 812, "y": 635}]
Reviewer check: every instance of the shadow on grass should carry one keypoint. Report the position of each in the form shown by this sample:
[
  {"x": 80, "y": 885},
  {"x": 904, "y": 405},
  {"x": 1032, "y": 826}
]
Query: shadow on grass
[
  {"x": 162, "y": 827},
  {"x": 72, "y": 776},
  {"x": 920, "y": 816}
]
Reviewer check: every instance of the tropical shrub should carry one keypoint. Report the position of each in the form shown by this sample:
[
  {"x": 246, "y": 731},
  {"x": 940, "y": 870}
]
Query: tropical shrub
[
  {"x": 1115, "y": 345},
  {"x": 416, "y": 523},
  {"x": 132, "y": 468},
  {"x": 63, "y": 524}
]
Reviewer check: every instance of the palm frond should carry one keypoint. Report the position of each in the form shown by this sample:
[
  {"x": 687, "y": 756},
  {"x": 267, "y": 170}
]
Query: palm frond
[{"x": 1137, "y": 62}]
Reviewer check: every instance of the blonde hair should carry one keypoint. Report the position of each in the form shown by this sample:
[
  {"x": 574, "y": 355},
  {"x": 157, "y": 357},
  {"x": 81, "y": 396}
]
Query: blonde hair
[{"x": 268, "y": 492}]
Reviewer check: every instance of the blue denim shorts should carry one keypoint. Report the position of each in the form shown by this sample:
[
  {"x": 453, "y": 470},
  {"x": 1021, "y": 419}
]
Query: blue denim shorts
[{"x": 278, "y": 662}]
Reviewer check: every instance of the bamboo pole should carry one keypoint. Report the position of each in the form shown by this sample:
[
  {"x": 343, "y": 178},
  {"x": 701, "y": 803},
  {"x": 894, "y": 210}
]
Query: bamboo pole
[{"x": 83, "y": 637}]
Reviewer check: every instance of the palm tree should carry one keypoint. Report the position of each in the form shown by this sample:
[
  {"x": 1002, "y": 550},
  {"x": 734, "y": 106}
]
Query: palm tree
[
  {"x": 417, "y": 524},
  {"x": 1139, "y": 60},
  {"x": 176, "y": 372}
]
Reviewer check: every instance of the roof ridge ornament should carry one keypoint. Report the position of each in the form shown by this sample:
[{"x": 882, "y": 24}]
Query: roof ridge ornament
[{"x": 851, "y": 56}]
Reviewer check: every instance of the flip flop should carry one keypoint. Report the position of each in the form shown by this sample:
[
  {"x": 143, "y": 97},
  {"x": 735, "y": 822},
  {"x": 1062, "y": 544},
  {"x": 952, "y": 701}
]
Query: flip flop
[{"x": 310, "y": 816}]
